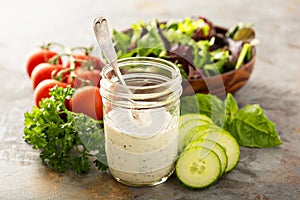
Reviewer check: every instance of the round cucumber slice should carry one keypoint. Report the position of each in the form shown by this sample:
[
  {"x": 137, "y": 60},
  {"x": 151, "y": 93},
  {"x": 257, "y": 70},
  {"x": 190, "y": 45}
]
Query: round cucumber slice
[
  {"x": 230, "y": 145},
  {"x": 198, "y": 167},
  {"x": 216, "y": 147}
]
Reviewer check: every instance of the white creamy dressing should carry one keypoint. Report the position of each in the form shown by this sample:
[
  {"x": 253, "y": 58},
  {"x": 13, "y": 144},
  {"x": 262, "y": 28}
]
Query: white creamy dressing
[{"x": 141, "y": 150}]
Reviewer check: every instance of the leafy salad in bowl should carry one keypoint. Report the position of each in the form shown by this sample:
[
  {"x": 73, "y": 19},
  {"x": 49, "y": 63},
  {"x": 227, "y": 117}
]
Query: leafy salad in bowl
[{"x": 200, "y": 49}]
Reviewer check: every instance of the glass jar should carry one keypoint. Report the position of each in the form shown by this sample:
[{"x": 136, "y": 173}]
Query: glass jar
[{"x": 141, "y": 120}]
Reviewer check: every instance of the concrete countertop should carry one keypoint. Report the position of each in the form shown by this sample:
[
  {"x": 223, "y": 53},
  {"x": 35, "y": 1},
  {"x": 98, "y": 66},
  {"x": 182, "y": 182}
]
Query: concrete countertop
[{"x": 272, "y": 173}]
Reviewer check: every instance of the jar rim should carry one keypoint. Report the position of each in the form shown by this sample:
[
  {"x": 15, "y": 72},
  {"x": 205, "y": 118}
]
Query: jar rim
[{"x": 176, "y": 75}]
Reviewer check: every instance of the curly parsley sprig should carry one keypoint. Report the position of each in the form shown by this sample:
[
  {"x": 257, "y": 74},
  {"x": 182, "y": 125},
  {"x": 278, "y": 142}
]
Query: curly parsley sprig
[{"x": 55, "y": 131}]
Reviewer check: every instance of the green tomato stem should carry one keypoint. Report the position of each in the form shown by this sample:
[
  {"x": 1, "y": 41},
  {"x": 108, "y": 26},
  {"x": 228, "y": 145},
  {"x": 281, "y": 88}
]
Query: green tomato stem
[{"x": 86, "y": 50}]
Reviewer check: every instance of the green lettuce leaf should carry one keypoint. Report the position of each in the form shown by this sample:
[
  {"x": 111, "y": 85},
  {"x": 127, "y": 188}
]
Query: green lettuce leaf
[
  {"x": 151, "y": 43},
  {"x": 122, "y": 42}
]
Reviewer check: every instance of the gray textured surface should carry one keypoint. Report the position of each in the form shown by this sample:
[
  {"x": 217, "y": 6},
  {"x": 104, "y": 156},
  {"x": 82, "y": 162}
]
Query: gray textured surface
[{"x": 275, "y": 84}]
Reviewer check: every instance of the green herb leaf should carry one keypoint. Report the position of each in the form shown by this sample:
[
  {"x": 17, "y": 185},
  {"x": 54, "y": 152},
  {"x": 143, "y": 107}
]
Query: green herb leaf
[
  {"x": 249, "y": 125},
  {"x": 91, "y": 135},
  {"x": 212, "y": 106},
  {"x": 252, "y": 128},
  {"x": 52, "y": 129},
  {"x": 231, "y": 108},
  {"x": 207, "y": 104},
  {"x": 189, "y": 104}
]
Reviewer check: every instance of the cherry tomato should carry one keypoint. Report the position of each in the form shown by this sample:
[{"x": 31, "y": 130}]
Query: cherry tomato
[
  {"x": 87, "y": 100},
  {"x": 37, "y": 57},
  {"x": 48, "y": 71},
  {"x": 43, "y": 88},
  {"x": 86, "y": 61},
  {"x": 84, "y": 77}
]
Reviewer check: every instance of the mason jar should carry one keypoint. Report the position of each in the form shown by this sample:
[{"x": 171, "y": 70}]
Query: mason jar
[{"x": 141, "y": 120}]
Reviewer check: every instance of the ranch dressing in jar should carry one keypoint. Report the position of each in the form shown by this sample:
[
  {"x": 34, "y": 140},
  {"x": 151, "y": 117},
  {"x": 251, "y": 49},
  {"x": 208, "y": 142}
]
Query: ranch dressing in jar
[{"x": 141, "y": 126}]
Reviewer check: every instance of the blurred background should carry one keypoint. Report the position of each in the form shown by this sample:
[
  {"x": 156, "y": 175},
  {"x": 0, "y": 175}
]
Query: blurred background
[{"x": 27, "y": 24}]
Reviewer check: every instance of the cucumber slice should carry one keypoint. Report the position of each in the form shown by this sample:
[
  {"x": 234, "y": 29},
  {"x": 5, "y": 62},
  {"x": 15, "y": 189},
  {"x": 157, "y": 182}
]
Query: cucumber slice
[
  {"x": 196, "y": 132},
  {"x": 191, "y": 116},
  {"x": 198, "y": 167},
  {"x": 230, "y": 145},
  {"x": 188, "y": 125},
  {"x": 216, "y": 147}
]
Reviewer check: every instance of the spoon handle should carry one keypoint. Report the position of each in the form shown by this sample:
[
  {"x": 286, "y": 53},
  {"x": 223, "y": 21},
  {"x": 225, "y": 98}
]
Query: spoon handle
[{"x": 101, "y": 30}]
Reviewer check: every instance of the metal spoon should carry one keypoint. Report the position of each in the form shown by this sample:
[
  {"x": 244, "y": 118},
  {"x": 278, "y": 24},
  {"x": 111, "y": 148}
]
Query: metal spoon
[
  {"x": 103, "y": 37},
  {"x": 102, "y": 34}
]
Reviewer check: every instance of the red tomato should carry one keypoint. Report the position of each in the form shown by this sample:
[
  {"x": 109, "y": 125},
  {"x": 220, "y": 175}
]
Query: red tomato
[
  {"x": 43, "y": 88},
  {"x": 87, "y": 100},
  {"x": 47, "y": 71},
  {"x": 86, "y": 61},
  {"x": 85, "y": 77},
  {"x": 37, "y": 57}
]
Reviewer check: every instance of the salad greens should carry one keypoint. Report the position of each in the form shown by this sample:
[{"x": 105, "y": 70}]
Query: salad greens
[
  {"x": 60, "y": 133},
  {"x": 194, "y": 44},
  {"x": 248, "y": 125}
]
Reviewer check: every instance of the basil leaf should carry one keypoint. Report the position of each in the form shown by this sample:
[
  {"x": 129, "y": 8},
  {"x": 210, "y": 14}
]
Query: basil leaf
[
  {"x": 189, "y": 104},
  {"x": 252, "y": 128},
  {"x": 231, "y": 108},
  {"x": 207, "y": 104},
  {"x": 213, "y": 107}
]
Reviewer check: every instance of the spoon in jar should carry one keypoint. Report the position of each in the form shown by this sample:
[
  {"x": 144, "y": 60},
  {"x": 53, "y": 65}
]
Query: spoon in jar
[
  {"x": 102, "y": 34},
  {"x": 104, "y": 40}
]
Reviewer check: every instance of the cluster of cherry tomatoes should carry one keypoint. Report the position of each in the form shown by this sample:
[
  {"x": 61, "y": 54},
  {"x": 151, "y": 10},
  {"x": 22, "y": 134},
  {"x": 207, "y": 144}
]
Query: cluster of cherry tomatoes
[{"x": 73, "y": 66}]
